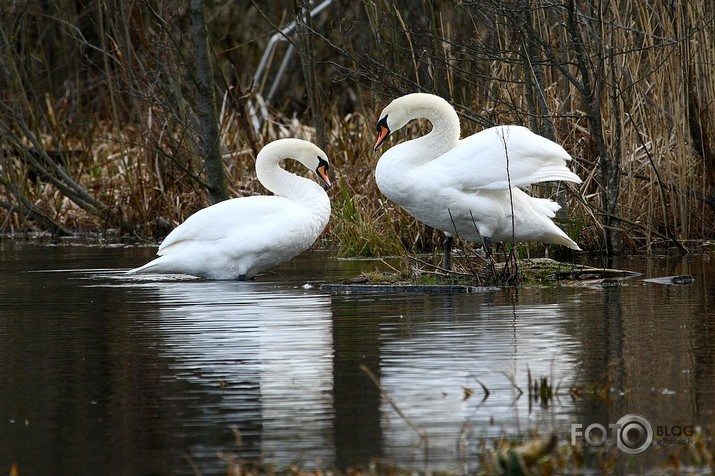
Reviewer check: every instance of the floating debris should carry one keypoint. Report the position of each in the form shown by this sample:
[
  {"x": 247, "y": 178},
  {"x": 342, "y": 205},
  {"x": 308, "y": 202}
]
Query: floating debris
[
  {"x": 679, "y": 279},
  {"x": 538, "y": 271}
]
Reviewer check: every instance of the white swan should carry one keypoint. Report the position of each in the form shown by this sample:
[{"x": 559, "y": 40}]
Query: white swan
[
  {"x": 468, "y": 187},
  {"x": 235, "y": 239}
]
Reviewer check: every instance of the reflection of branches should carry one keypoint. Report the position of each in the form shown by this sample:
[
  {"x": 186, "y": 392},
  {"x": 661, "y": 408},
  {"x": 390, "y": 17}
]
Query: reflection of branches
[
  {"x": 423, "y": 434},
  {"x": 512, "y": 380}
]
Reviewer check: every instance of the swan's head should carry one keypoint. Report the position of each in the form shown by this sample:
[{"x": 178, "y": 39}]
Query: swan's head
[
  {"x": 314, "y": 159},
  {"x": 392, "y": 118},
  {"x": 307, "y": 153},
  {"x": 322, "y": 170},
  {"x": 412, "y": 106}
]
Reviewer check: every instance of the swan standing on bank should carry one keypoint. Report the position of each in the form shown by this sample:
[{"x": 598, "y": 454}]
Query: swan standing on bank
[
  {"x": 469, "y": 187},
  {"x": 238, "y": 238}
]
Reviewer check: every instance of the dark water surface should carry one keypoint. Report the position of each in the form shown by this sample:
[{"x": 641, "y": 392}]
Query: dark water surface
[{"x": 104, "y": 373}]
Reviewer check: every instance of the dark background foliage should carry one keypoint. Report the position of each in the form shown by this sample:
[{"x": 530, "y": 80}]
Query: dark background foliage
[{"x": 101, "y": 123}]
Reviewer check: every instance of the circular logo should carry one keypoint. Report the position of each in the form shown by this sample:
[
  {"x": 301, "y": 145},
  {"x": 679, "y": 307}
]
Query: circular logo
[{"x": 634, "y": 434}]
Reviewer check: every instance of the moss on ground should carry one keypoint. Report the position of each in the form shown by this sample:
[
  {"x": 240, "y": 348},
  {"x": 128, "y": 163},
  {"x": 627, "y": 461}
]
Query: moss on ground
[{"x": 527, "y": 272}]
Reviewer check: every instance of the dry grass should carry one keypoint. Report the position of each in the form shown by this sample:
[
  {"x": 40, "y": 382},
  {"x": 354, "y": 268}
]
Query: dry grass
[{"x": 651, "y": 65}]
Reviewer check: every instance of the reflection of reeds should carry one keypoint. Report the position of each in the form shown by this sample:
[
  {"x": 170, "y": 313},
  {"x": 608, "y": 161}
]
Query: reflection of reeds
[{"x": 424, "y": 437}]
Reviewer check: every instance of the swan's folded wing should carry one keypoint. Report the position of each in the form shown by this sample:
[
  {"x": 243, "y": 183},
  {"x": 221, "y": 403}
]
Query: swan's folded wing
[
  {"x": 499, "y": 157},
  {"x": 247, "y": 218}
]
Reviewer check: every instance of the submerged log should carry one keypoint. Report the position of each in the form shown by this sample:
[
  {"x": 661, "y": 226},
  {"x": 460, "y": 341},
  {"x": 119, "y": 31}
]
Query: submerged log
[{"x": 406, "y": 288}]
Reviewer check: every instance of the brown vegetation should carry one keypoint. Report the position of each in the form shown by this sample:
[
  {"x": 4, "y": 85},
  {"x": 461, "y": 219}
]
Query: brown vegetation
[{"x": 99, "y": 129}]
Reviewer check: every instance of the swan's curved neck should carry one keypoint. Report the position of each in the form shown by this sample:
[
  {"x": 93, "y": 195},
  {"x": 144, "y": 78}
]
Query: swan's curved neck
[
  {"x": 445, "y": 122},
  {"x": 284, "y": 183},
  {"x": 444, "y": 135}
]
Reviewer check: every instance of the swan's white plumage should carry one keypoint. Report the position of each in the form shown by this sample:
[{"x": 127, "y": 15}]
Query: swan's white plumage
[
  {"x": 482, "y": 162},
  {"x": 238, "y": 238},
  {"x": 469, "y": 187}
]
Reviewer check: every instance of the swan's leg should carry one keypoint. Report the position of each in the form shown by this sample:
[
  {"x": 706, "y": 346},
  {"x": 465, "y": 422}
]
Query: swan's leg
[
  {"x": 447, "y": 249},
  {"x": 487, "y": 242}
]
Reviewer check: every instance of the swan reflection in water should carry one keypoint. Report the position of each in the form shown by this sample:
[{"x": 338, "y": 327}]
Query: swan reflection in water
[
  {"x": 263, "y": 357},
  {"x": 434, "y": 374},
  {"x": 265, "y": 353}
]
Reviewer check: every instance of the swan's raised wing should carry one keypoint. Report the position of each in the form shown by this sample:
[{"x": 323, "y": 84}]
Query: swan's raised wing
[
  {"x": 255, "y": 222},
  {"x": 481, "y": 161}
]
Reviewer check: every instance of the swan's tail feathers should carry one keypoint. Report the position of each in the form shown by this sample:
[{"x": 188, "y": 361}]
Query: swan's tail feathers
[
  {"x": 556, "y": 236},
  {"x": 544, "y": 206},
  {"x": 566, "y": 241},
  {"x": 565, "y": 175},
  {"x": 155, "y": 266},
  {"x": 555, "y": 172}
]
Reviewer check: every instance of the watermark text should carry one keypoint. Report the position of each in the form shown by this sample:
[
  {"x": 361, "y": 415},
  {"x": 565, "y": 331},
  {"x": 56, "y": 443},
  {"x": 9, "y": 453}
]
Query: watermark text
[{"x": 633, "y": 434}]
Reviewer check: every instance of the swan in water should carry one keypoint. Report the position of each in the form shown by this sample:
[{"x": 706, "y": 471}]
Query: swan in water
[
  {"x": 469, "y": 187},
  {"x": 238, "y": 238}
]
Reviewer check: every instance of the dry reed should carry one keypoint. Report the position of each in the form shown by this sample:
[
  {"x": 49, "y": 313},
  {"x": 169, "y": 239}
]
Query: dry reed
[{"x": 651, "y": 66}]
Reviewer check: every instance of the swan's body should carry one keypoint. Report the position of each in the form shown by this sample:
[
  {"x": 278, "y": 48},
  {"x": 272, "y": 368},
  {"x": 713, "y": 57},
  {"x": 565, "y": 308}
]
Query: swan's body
[
  {"x": 238, "y": 238},
  {"x": 468, "y": 187}
]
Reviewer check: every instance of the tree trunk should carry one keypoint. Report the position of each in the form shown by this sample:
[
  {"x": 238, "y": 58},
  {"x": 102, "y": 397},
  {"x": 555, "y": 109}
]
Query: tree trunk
[
  {"x": 306, "y": 51},
  {"x": 591, "y": 87},
  {"x": 205, "y": 105}
]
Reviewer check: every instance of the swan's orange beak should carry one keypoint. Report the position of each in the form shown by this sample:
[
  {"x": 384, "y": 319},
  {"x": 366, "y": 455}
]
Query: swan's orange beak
[
  {"x": 322, "y": 172},
  {"x": 383, "y": 132}
]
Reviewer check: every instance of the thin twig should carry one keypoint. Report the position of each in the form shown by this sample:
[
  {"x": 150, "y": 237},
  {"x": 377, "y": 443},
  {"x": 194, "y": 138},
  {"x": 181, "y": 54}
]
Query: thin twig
[
  {"x": 443, "y": 271},
  {"x": 422, "y": 433},
  {"x": 512, "y": 253}
]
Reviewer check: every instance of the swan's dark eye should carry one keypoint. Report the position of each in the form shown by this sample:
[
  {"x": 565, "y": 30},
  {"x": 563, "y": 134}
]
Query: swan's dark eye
[
  {"x": 323, "y": 171},
  {"x": 323, "y": 163},
  {"x": 383, "y": 132}
]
